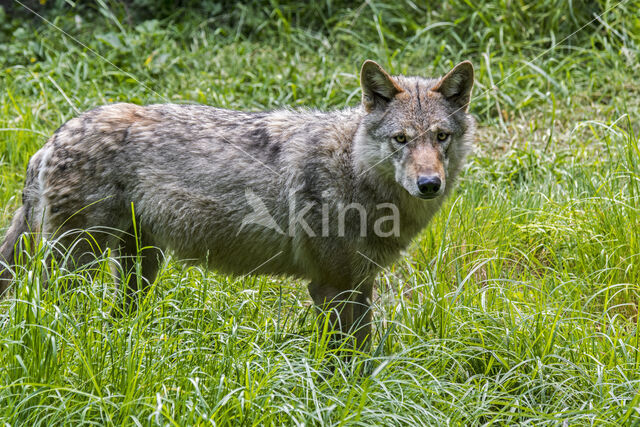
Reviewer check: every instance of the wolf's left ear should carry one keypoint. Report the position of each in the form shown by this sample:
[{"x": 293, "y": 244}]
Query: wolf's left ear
[
  {"x": 378, "y": 87},
  {"x": 457, "y": 84}
]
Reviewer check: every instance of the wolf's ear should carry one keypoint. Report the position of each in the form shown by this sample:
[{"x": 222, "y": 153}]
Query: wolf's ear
[
  {"x": 457, "y": 84},
  {"x": 378, "y": 87}
]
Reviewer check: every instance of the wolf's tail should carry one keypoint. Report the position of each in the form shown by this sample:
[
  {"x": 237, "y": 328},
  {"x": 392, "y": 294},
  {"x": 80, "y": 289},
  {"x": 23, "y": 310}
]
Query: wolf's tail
[{"x": 8, "y": 249}]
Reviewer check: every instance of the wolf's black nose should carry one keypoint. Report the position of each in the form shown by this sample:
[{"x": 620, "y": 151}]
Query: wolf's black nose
[{"x": 429, "y": 185}]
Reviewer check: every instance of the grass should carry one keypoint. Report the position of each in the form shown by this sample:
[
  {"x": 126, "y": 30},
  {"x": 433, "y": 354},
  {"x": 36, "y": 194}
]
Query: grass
[{"x": 517, "y": 305}]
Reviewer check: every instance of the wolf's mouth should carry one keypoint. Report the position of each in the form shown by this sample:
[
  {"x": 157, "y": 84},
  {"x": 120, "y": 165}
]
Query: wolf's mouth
[{"x": 428, "y": 196}]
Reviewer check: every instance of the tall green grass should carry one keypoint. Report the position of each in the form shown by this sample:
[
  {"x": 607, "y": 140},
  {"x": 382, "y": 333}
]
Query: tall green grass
[{"x": 518, "y": 304}]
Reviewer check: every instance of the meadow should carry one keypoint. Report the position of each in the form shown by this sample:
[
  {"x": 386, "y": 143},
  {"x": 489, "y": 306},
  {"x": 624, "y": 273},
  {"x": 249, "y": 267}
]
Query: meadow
[{"x": 517, "y": 305}]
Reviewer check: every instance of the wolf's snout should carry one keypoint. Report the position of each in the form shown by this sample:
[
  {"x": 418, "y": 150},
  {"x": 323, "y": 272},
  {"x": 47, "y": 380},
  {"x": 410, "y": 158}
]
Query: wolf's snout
[{"x": 429, "y": 185}]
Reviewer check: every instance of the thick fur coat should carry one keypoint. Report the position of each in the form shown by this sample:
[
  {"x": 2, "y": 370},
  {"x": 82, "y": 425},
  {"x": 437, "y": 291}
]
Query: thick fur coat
[{"x": 330, "y": 197}]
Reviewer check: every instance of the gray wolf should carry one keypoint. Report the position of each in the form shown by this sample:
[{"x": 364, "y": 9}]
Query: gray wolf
[{"x": 217, "y": 187}]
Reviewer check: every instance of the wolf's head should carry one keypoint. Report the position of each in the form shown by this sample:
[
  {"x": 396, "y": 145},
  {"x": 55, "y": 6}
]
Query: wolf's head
[{"x": 416, "y": 131}]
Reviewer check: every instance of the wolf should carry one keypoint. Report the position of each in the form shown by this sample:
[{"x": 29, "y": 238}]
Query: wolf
[{"x": 142, "y": 180}]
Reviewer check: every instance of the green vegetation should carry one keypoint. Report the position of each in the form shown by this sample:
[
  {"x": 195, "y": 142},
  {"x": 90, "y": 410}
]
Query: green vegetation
[{"x": 518, "y": 304}]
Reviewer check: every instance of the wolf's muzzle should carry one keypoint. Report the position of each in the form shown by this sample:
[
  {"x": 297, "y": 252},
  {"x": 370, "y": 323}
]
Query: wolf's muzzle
[{"x": 429, "y": 186}]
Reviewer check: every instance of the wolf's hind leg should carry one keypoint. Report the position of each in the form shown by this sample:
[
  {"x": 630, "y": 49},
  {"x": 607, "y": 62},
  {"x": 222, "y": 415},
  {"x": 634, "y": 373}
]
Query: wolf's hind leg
[
  {"x": 134, "y": 280},
  {"x": 8, "y": 256}
]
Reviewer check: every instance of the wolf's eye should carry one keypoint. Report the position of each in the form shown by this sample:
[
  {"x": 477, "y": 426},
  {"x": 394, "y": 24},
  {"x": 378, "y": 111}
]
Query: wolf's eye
[
  {"x": 401, "y": 139},
  {"x": 442, "y": 136}
]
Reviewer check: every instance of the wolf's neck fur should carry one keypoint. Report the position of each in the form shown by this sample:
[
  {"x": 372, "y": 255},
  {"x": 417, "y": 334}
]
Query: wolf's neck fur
[{"x": 336, "y": 163}]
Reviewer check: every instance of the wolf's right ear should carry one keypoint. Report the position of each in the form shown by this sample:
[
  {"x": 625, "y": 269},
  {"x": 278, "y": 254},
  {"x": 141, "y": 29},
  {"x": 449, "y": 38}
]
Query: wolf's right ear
[{"x": 378, "y": 87}]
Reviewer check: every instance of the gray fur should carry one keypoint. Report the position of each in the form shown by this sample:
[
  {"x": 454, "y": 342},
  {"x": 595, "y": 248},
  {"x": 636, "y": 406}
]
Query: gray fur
[
  {"x": 187, "y": 168},
  {"x": 7, "y": 250}
]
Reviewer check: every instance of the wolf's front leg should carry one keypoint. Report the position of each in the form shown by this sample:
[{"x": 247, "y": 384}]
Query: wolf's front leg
[
  {"x": 362, "y": 314},
  {"x": 336, "y": 303},
  {"x": 349, "y": 309}
]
